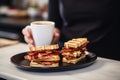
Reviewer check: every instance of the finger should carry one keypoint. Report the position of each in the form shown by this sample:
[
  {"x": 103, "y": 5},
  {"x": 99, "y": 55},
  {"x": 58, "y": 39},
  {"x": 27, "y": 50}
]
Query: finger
[
  {"x": 55, "y": 38},
  {"x": 26, "y": 32},
  {"x": 28, "y": 35},
  {"x": 31, "y": 45},
  {"x": 28, "y": 40},
  {"x": 29, "y": 32}
]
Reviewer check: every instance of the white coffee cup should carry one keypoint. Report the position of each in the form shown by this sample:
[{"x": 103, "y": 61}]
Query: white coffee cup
[{"x": 42, "y": 32}]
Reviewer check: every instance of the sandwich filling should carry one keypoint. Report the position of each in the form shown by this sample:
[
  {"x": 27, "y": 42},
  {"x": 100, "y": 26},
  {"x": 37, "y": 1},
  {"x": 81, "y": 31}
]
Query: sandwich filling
[
  {"x": 74, "y": 50},
  {"x": 43, "y": 57}
]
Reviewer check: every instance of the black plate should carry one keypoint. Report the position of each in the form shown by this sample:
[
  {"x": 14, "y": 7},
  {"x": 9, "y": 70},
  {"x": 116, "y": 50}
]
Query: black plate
[{"x": 23, "y": 64}]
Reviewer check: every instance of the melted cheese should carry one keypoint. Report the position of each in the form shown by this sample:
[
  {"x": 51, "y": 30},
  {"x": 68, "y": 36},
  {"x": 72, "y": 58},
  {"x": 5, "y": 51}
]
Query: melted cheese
[{"x": 75, "y": 53}]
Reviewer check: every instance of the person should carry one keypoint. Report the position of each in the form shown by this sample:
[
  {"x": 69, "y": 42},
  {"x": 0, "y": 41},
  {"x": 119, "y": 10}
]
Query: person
[{"x": 96, "y": 20}]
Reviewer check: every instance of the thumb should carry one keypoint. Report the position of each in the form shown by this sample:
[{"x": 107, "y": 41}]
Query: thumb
[{"x": 56, "y": 37}]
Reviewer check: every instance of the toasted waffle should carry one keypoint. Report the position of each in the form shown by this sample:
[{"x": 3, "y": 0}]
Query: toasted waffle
[
  {"x": 46, "y": 47},
  {"x": 74, "y": 50},
  {"x": 75, "y": 43}
]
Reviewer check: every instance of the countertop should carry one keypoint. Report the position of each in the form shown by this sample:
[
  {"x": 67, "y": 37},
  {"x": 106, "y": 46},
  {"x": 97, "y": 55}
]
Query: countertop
[{"x": 102, "y": 69}]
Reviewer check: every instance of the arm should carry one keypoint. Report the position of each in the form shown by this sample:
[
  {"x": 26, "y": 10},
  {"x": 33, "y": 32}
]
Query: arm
[{"x": 53, "y": 13}]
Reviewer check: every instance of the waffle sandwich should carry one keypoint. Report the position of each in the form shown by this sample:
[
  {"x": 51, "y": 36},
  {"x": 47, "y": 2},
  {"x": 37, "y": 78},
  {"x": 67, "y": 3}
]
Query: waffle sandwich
[
  {"x": 43, "y": 56},
  {"x": 74, "y": 50}
]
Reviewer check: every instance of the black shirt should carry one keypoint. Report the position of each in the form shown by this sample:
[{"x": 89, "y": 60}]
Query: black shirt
[{"x": 97, "y": 20}]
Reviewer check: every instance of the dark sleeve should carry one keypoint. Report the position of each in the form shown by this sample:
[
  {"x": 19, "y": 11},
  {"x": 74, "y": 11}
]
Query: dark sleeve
[{"x": 53, "y": 13}]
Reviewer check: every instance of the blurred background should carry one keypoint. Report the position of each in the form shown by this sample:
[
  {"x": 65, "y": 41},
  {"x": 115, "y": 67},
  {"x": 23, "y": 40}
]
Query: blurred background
[{"x": 15, "y": 15}]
